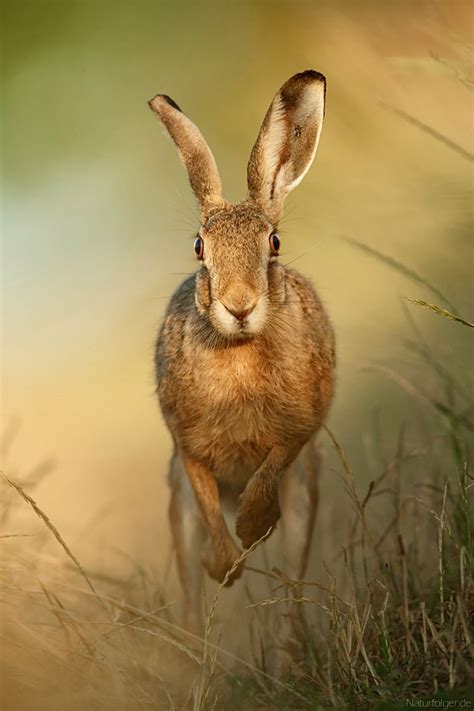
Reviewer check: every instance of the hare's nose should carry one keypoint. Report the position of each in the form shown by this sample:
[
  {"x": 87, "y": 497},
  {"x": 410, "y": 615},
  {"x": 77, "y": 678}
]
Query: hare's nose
[{"x": 241, "y": 313}]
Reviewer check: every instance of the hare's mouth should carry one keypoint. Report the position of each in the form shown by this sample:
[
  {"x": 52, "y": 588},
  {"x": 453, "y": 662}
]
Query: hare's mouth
[{"x": 239, "y": 325}]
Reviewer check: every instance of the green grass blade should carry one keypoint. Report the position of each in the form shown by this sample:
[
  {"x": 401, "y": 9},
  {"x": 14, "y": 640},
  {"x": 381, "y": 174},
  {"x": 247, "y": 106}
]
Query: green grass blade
[
  {"x": 402, "y": 269},
  {"x": 439, "y": 311},
  {"x": 430, "y": 131}
]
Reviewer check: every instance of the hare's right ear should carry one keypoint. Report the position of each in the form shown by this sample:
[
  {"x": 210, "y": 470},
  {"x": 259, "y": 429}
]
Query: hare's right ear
[
  {"x": 194, "y": 152},
  {"x": 287, "y": 142}
]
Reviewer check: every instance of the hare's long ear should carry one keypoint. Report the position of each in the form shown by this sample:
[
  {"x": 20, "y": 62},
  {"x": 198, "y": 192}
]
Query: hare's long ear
[
  {"x": 287, "y": 142},
  {"x": 194, "y": 152}
]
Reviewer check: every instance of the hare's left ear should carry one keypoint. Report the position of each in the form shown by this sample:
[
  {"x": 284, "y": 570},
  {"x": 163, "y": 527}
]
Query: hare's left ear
[
  {"x": 194, "y": 153},
  {"x": 287, "y": 142}
]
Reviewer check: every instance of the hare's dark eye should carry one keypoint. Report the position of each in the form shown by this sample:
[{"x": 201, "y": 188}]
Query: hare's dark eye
[
  {"x": 275, "y": 243},
  {"x": 199, "y": 247}
]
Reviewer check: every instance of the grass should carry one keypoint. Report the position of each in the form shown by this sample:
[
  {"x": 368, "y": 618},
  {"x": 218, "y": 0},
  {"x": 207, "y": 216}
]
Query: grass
[
  {"x": 405, "y": 630},
  {"x": 440, "y": 312}
]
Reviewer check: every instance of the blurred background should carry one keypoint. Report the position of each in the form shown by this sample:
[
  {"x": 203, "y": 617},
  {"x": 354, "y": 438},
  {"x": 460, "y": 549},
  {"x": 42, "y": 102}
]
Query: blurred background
[{"x": 98, "y": 223}]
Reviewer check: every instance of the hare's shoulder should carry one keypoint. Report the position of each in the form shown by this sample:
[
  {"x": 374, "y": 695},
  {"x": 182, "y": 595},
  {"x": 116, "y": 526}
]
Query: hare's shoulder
[
  {"x": 300, "y": 287},
  {"x": 304, "y": 300},
  {"x": 171, "y": 334},
  {"x": 302, "y": 292},
  {"x": 182, "y": 300}
]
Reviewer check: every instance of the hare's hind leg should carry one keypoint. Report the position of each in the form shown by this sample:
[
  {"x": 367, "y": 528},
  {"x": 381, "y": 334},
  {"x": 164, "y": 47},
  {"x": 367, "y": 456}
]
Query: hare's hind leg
[
  {"x": 299, "y": 503},
  {"x": 189, "y": 537}
]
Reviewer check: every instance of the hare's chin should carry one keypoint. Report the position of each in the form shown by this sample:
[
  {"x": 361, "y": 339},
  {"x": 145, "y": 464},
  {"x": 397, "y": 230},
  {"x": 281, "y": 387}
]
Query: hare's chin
[{"x": 229, "y": 326}]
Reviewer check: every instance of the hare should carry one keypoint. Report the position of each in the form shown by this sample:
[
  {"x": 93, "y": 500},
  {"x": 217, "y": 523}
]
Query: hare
[{"x": 245, "y": 358}]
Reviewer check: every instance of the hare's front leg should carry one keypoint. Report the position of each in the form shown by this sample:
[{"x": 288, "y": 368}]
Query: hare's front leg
[
  {"x": 259, "y": 504},
  {"x": 189, "y": 535},
  {"x": 222, "y": 550}
]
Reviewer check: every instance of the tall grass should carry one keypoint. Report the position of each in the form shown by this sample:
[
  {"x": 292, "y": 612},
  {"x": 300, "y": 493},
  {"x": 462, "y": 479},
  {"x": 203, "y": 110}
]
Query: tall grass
[{"x": 395, "y": 624}]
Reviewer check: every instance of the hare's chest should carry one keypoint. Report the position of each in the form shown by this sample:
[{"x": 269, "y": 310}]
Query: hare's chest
[
  {"x": 237, "y": 409},
  {"x": 242, "y": 382},
  {"x": 243, "y": 403}
]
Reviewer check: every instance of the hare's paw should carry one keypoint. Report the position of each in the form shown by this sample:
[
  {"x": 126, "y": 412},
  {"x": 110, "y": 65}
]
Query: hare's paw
[
  {"x": 219, "y": 560},
  {"x": 256, "y": 515}
]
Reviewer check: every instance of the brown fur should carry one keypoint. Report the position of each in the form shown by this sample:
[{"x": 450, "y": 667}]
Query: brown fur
[
  {"x": 245, "y": 358},
  {"x": 194, "y": 152}
]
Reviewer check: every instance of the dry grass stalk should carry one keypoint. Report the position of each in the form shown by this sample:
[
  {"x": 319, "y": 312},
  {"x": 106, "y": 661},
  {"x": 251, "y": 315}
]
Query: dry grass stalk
[{"x": 29, "y": 500}]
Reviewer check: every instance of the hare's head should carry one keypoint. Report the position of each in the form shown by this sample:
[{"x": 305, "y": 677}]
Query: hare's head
[{"x": 240, "y": 281}]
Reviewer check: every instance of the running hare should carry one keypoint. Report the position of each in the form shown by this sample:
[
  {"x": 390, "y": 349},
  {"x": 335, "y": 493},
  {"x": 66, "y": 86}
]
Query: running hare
[{"x": 245, "y": 357}]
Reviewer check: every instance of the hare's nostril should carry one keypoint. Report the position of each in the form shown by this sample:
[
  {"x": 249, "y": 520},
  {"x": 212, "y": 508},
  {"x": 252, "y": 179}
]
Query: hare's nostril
[{"x": 241, "y": 313}]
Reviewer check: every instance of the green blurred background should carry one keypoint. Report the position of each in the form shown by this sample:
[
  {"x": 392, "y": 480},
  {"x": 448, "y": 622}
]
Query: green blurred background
[{"x": 98, "y": 222}]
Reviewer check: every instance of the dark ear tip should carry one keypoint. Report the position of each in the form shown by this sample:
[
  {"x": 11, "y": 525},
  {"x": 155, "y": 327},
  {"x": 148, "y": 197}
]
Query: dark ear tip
[
  {"x": 170, "y": 101},
  {"x": 312, "y": 75},
  {"x": 166, "y": 98},
  {"x": 292, "y": 89}
]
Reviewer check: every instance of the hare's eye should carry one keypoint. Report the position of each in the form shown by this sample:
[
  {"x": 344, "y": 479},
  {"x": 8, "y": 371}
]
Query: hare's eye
[
  {"x": 199, "y": 247},
  {"x": 275, "y": 243}
]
